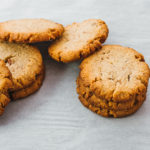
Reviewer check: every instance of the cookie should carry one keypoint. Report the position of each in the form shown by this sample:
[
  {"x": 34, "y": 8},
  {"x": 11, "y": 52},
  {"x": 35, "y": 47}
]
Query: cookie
[
  {"x": 102, "y": 103},
  {"x": 28, "y": 90},
  {"x": 30, "y": 30},
  {"x": 114, "y": 79},
  {"x": 79, "y": 40},
  {"x": 26, "y": 65},
  {"x": 5, "y": 85},
  {"x": 111, "y": 113}
]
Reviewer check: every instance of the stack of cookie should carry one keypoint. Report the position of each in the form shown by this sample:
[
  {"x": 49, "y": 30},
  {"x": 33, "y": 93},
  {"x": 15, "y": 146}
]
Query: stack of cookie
[
  {"x": 113, "y": 81},
  {"x": 21, "y": 65}
]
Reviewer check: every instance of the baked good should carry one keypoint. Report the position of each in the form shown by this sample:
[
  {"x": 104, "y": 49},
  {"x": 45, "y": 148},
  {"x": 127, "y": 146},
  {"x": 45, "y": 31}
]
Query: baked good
[
  {"x": 113, "y": 81},
  {"x": 5, "y": 85},
  {"x": 30, "y": 30},
  {"x": 33, "y": 87},
  {"x": 102, "y": 103},
  {"x": 79, "y": 40},
  {"x": 26, "y": 65}
]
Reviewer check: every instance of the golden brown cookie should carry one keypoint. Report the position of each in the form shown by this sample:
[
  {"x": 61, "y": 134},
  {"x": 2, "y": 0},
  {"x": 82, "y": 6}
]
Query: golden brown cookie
[
  {"x": 30, "y": 89},
  {"x": 79, "y": 40},
  {"x": 109, "y": 112},
  {"x": 115, "y": 79},
  {"x": 102, "y": 103},
  {"x": 30, "y": 30},
  {"x": 5, "y": 85},
  {"x": 25, "y": 63}
]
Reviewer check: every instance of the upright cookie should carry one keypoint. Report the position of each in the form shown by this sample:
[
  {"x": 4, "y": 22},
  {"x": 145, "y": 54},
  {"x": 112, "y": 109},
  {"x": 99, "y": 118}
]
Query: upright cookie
[
  {"x": 29, "y": 30},
  {"x": 113, "y": 81},
  {"x": 5, "y": 85},
  {"x": 26, "y": 65},
  {"x": 79, "y": 40}
]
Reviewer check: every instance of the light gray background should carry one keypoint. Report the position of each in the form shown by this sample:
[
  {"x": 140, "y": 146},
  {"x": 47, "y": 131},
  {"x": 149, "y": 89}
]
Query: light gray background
[{"x": 53, "y": 118}]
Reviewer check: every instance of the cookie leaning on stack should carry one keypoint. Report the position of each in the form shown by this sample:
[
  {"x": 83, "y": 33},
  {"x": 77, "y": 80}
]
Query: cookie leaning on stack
[
  {"x": 79, "y": 40},
  {"x": 113, "y": 81}
]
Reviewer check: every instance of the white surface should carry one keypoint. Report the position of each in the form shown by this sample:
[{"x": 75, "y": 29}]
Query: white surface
[{"x": 53, "y": 118}]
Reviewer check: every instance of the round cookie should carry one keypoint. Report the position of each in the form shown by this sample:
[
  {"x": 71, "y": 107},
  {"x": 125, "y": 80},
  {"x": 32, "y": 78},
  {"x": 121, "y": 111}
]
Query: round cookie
[
  {"x": 5, "y": 85},
  {"x": 79, "y": 40},
  {"x": 115, "y": 79},
  {"x": 25, "y": 63},
  {"x": 30, "y": 30}
]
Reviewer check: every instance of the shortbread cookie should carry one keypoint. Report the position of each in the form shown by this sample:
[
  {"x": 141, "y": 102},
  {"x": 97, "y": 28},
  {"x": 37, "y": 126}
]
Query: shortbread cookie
[
  {"x": 5, "y": 85},
  {"x": 29, "y": 30},
  {"x": 24, "y": 62},
  {"x": 115, "y": 79},
  {"x": 30, "y": 89},
  {"x": 85, "y": 92},
  {"x": 109, "y": 112},
  {"x": 79, "y": 40}
]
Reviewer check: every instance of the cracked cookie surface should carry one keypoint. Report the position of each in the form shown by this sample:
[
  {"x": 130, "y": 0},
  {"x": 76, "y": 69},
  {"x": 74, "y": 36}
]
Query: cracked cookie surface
[
  {"x": 24, "y": 62},
  {"x": 92, "y": 99},
  {"x": 30, "y": 30},
  {"x": 79, "y": 40},
  {"x": 114, "y": 78},
  {"x": 5, "y": 85}
]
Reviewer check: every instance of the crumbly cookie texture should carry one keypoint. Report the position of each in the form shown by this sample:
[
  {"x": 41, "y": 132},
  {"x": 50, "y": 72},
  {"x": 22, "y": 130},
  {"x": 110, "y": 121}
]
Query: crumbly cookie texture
[
  {"x": 110, "y": 112},
  {"x": 85, "y": 92},
  {"x": 5, "y": 85},
  {"x": 28, "y": 90},
  {"x": 113, "y": 79},
  {"x": 79, "y": 40},
  {"x": 30, "y": 30},
  {"x": 24, "y": 62}
]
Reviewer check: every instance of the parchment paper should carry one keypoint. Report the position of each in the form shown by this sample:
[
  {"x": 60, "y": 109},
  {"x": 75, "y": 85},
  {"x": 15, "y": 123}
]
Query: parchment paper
[{"x": 53, "y": 118}]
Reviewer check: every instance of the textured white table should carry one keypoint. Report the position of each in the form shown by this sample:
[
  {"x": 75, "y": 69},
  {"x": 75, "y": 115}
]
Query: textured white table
[{"x": 53, "y": 118}]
